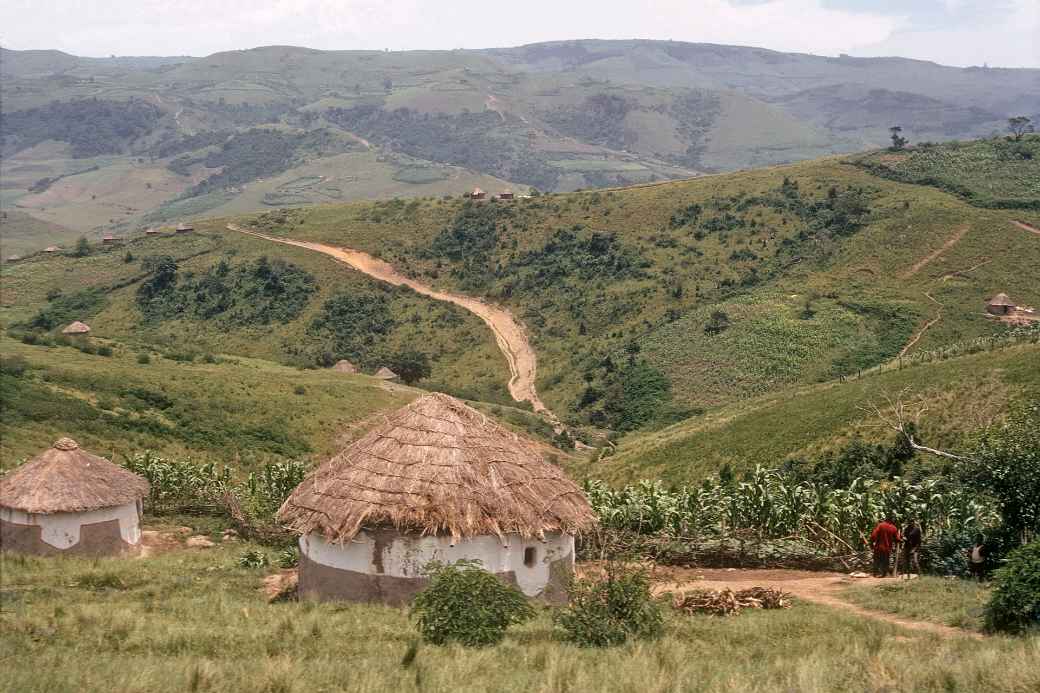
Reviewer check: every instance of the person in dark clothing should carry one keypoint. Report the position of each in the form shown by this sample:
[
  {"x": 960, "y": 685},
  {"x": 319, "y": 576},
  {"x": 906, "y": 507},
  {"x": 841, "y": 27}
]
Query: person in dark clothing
[
  {"x": 912, "y": 538},
  {"x": 977, "y": 558},
  {"x": 884, "y": 539}
]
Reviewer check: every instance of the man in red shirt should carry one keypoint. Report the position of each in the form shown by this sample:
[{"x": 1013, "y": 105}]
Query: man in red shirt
[{"x": 884, "y": 539}]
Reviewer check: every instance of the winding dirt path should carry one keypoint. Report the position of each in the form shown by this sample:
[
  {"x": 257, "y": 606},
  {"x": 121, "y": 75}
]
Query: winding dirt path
[
  {"x": 953, "y": 240},
  {"x": 509, "y": 333},
  {"x": 920, "y": 333},
  {"x": 1026, "y": 227},
  {"x": 819, "y": 588}
]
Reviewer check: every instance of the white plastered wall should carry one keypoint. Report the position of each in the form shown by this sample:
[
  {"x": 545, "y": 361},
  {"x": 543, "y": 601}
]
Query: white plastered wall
[
  {"x": 61, "y": 530},
  {"x": 405, "y": 556}
]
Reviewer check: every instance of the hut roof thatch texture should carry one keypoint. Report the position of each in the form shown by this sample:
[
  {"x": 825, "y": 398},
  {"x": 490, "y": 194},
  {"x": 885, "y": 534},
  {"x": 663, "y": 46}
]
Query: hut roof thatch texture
[
  {"x": 438, "y": 466},
  {"x": 67, "y": 479},
  {"x": 76, "y": 327},
  {"x": 344, "y": 366},
  {"x": 1001, "y": 300},
  {"x": 385, "y": 373}
]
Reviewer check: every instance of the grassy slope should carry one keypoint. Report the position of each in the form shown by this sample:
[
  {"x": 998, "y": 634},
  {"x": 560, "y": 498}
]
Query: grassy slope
[
  {"x": 958, "y": 603},
  {"x": 962, "y": 394},
  {"x": 768, "y": 346},
  {"x": 193, "y": 620},
  {"x": 21, "y": 234}
]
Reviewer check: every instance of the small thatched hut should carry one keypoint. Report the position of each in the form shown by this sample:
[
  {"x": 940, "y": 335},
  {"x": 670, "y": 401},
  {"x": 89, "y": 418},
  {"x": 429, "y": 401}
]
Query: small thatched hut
[
  {"x": 345, "y": 366},
  {"x": 437, "y": 480},
  {"x": 151, "y": 232},
  {"x": 385, "y": 373},
  {"x": 77, "y": 327},
  {"x": 1001, "y": 304},
  {"x": 51, "y": 249},
  {"x": 184, "y": 227},
  {"x": 68, "y": 502}
]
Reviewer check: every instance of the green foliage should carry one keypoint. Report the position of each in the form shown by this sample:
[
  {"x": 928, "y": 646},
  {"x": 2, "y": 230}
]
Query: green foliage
[
  {"x": 180, "y": 484},
  {"x": 464, "y": 603},
  {"x": 717, "y": 323},
  {"x": 1015, "y": 604},
  {"x": 411, "y": 365},
  {"x": 354, "y": 321},
  {"x": 625, "y": 398},
  {"x": 254, "y": 558},
  {"x": 599, "y": 119},
  {"x": 144, "y": 359},
  {"x": 14, "y": 366},
  {"x": 288, "y": 557},
  {"x": 268, "y": 489},
  {"x": 608, "y": 611},
  {"x": 470, "y": 240},
  {"x": 62, "y": 309},
  {"x": 898, "y": 141},
  {"x": 91, "y": 126}
]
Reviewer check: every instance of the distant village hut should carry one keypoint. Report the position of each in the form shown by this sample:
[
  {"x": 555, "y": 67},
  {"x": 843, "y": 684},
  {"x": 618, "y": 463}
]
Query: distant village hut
[
  {"x": 438, "y": 480},
  {"x": 51, "y": 249},
  {"x": 477, "y": 194},
  {"x": 184, "y": 227},
  {"x": 151, "y": 232},
  {"x": 345, "y": 366},
  {"x": 385, "y": 373},
  {"x": 109, "y": 239},
  {"x": 76, "y": 328},
  {"x": 66, "y": 501},
  {"x": 1001, "y": 304},
  {"x": 14, "y": 258},
  {"x": 505, "y": 195}
]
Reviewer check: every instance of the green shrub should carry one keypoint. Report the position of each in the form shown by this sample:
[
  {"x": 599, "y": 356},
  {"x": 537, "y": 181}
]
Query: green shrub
[
  {"x": 15, "y": 366},
  {"x": 466, "y": 604},
  {"x": 104, "y": 351},
  {"x": 254, "y": 558},
  {"x": 608, "y": 611},
  {"x": 1015, "y": 604},
  {"x": 299, "y": 390},
  {"x": 289, "y": 557},
  {"x": 144, "y": 358}
]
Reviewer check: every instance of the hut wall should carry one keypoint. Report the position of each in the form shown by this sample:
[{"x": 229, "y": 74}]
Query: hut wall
[
  {"x": 384, "y": 565},
  {"x": 96, "y": 532}
]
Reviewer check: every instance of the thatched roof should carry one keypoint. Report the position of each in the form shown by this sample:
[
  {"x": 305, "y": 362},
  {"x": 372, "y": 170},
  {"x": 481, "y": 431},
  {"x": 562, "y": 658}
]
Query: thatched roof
[
  {"x": 386, "y": 374},
  {"x": 344, "y": 366},
  {"x": 1001, "y": 300},
  {"x": 76, "y": 328},
  {"x": 66, "y": 479},
  {"x": 438, "y": 466},
  {"x": 184, "y": 226},
  {"x": 51, "y": 249}
]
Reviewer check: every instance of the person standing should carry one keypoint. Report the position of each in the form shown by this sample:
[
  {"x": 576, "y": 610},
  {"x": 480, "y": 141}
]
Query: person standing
[
  {"x": 977, "y": 558},
  {"x": 884, "y": 538},
  {"x": 912, "y": 538}
]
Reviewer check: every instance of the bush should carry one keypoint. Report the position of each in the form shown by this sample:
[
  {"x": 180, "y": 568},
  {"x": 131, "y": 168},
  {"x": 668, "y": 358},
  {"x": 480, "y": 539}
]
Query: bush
[
  {"x": 144, "y": 358},
  {"x": 254, "y": 558},
  {"x": 289, "y": 557},
  {"x": 104, "y": 351},
  {"x": 609, "y": 611},
  {"x": 15, "y": 366},
  {"x": 466, "y": 604},
  {"x": 1015, "y": 604}
]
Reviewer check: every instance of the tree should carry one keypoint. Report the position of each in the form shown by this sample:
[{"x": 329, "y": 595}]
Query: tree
[
  {"x": 82, "y": 247},
  {"x": 1018, "y": 126},
  {"x": 717, "y": 323},
  {"x": 411, "y": 365},
  {"x": 898, "y": 141}
]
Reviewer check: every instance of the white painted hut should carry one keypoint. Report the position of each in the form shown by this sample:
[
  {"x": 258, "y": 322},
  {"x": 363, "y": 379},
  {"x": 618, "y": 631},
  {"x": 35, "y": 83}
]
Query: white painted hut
[
  {"x": 66, "y": 501},
  {"x": 438, "y": 480}
]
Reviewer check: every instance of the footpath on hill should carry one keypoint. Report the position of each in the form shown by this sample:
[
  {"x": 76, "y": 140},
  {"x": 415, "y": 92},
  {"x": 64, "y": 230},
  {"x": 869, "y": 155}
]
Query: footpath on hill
[
  {"x": 509, "y": 332},
  {"x": 816, "y": 587}
]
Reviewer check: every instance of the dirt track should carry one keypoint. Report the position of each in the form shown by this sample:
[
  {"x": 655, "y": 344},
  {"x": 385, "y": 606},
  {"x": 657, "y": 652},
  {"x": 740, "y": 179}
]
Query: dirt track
[
  {"x": 819, "y": 588},
  {"x": 1026, "y": 227},
  {"x": 958, "y": 234},
  {"x": 510, "y": 334}
]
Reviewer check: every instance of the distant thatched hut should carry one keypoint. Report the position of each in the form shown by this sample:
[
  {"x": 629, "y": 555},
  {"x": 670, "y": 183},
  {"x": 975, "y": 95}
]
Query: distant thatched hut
[
  {"x": 184, "y": 227},
  {"x": 109, "y": 239},
  {"x": 14, "y": 258},
  {"x": 1001, "y": 304},
  {"x": 477, "y": 194},
  {"x": 68, "y": 502},
  {"x": 345, "y": 366},
  {"x": 77, "y": 328},
  {"x": 151, "y": 232},
  {"x": 437, "y": 481},
  {"x": 505, "y": 195},
  {"x": 385, "y": 373},
  {"x": 51, "y": 249}
]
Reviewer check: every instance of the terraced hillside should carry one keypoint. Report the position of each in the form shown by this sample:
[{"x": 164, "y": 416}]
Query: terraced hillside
[{"x": 101, "y": 144}]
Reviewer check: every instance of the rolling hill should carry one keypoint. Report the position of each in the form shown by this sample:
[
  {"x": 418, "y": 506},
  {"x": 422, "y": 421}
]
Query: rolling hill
[{"x": 279, "y": 126}]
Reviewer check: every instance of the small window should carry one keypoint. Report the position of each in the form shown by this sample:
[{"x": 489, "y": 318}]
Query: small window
[{"x": 530, "y": 556}]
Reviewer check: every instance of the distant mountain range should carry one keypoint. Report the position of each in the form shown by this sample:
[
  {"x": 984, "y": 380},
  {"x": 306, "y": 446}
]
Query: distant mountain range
[{"x": 94, "y": 144}]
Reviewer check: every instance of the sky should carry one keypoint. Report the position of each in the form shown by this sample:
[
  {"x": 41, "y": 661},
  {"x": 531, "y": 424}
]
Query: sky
[{"x": 1000, "y": 33}]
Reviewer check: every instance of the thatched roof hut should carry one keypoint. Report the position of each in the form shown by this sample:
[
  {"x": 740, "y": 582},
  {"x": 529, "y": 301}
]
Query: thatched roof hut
[
  {"x": 345, "y": 366},
  {"x": 184, "y": 227},
  {"x": 385, "y": 373},
  {"x": 76, "y": 327},
  {"x": 68, "y": 500},
  {"x": 51, "y": 249},
  {"x": 1001, "y": 304},
  {"x": 437, "y": 480}
]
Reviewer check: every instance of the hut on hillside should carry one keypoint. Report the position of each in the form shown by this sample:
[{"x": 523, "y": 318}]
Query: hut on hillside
[
  {"x": 1001, "y": 304},
  {"x": 438, "y": 480},
  {"x": 345, "y": 366},
  {"x": 505, "y": 195},
  {"x": 14, "y": 258},
  {"x": 51, "y": 249},
  {"x": 76, "y": 328},
  {"x": 66, "y": 501},
  {"x": 184, "y": 227},
  {"x": 109, "y": 239},
  {"x": 385, "y": 373},
  {"x": 151, "y": 232},
  {"x": 477, "y": 194}
]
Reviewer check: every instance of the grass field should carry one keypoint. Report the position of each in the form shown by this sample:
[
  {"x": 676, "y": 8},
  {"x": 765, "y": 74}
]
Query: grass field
[
  {"x": 194, "y": 620},
  {"x": 948, "y": 601}
]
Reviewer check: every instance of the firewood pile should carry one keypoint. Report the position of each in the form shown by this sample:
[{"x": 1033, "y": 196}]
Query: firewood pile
[{"x": 726, "y": 602}]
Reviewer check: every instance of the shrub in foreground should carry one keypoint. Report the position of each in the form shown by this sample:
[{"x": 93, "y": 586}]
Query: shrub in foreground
[
  {"x": 1015, "y": 604},
  {"x": 466, "y": 604},
  {"x": 608, "y": 611}
]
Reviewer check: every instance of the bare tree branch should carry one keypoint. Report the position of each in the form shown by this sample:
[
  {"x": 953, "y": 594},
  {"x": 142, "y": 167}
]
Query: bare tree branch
[{"x": 899, "y": 418}]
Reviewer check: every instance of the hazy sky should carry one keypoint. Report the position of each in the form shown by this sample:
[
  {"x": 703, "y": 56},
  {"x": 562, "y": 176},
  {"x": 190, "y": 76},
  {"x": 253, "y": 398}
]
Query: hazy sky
[{"x": 954, "y": 32}]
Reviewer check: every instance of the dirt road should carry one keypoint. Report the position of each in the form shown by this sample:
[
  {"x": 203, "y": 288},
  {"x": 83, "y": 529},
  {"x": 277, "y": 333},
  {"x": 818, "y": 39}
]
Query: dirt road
[
  {"x": 819, "y": 588},
  {"x": 958, "y": 234},
  {"x": 1026, "y": 227},
  {"x": 510, "y": 334}
]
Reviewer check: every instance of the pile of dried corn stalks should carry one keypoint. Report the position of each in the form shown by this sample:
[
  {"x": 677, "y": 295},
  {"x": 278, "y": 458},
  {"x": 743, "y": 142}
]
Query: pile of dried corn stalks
[{"x": 727, "y": 602}]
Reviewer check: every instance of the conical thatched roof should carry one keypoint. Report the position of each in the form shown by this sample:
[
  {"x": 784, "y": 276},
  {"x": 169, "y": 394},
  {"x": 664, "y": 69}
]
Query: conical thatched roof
[
  {"x": 1002, "y": 300},
  {"x": 76, "y": 328},
  {"x": 344, "y": 366},
  {"x": 51, "y": 249},
  {"x": 386, "y": 374},
  {"x": 66, "y": 479},
  {"x": 438, "y": 466}
]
